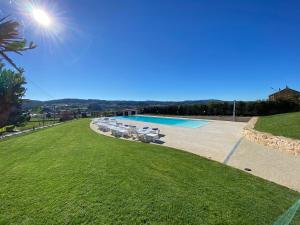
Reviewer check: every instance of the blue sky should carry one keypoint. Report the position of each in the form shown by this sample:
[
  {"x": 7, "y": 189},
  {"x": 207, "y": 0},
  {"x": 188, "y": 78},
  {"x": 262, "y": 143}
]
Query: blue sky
[{"x": 161, "y": 50}]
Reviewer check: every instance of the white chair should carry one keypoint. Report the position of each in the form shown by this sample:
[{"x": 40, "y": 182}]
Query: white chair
[
  {"x": 104, "y": 127},
  {"x": 155, "y": 130},
  {"x": 151, "y": 137},
  {"x": 142, "y": 132},
  {"x": 123, "y": 132},
  {"x": 115, "y": 131}
]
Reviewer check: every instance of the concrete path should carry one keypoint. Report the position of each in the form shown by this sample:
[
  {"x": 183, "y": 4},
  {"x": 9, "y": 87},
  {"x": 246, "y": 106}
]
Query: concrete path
[
  {"x": 223, "y": 141},
  {"x": 279, "y": 167}
]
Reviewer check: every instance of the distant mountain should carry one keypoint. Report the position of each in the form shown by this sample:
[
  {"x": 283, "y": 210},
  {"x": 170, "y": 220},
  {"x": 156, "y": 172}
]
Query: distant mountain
[
  {"x": 29, "y": 104},
  {"x": 96, "y": 104}
]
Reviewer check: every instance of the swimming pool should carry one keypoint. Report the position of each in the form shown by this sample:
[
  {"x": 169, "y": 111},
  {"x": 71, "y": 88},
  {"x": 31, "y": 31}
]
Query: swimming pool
[{"x": 166, "y": 121}]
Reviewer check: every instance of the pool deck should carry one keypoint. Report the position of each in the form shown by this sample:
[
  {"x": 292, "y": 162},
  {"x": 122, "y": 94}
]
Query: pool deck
[{"x": 223, "y": 141}]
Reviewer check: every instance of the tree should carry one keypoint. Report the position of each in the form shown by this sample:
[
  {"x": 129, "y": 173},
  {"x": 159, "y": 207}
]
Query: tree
[
  {"x": 11, "y": 82},
  {"x": 11, "y": 92},
  {"x": 11, "y": 42},
  {"x": 95, "y": 107}
]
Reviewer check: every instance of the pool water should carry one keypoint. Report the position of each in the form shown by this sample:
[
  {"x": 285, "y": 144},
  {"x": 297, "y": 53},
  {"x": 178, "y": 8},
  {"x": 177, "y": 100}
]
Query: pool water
[{"x": 189, "y": 123}]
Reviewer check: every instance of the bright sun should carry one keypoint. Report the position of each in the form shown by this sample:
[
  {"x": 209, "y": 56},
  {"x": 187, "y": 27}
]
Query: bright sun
[{"x": 41, "y": 17}]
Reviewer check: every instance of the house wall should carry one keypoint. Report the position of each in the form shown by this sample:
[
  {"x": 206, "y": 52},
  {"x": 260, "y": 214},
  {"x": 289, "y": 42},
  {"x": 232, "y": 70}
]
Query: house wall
[
  {"x": 129, "y": 112},
  {"x": 285, "y": 95}
]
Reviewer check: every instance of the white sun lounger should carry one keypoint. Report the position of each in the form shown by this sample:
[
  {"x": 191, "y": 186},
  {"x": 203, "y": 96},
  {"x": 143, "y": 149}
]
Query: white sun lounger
[
  {"x": 148, "y": 134},
  {"x": 119, "y": 131},
  {"x": 151, "y": 137},
  {"x": 104, "y": 127},
  {"x": 114, "y": 131},
  {"x": 123, "y": 132}
]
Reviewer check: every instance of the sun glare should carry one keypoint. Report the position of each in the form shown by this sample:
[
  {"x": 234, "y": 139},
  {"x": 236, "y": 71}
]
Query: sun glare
[{"x": 41, "y": 17}]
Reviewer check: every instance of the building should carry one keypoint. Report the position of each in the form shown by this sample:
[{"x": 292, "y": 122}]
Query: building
[
  {"x": 285, "y": 94},
  {"x": 129, "y": 112},
  {"x": 65, "y": 115}
]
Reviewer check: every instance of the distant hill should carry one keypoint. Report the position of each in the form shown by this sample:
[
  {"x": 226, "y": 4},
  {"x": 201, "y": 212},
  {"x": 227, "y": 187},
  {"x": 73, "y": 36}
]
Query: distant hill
[{"x": 96, "y": 104}]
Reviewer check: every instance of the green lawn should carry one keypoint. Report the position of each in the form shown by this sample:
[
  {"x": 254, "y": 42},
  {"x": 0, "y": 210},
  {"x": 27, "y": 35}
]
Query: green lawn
[
  {"x": 68, "y": 174},
  {"x": 287, "y": 125}
]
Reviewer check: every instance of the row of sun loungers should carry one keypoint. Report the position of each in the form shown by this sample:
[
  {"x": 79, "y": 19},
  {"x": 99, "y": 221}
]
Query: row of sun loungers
[{"x": 117, "y": 129}]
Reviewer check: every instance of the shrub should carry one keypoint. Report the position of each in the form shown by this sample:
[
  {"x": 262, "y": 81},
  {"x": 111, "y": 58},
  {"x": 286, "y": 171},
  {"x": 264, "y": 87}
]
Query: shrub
[
  {"x": 255, "y": 108},
  {"x": 2, "y": 130},
  {"x": 9, "y": 128}
]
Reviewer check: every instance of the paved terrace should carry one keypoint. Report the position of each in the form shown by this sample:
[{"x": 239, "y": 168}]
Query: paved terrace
[{"x": 223, "y": 141}]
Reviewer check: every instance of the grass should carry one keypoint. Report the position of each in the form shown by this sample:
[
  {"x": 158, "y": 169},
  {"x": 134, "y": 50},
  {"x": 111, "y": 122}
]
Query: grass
[
  {"x": 287, "y": 125},
  {"x": 70, "y": 175}
]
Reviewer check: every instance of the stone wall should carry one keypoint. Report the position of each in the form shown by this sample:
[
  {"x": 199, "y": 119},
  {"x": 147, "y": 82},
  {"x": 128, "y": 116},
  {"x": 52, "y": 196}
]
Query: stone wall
[{"x": 276, "y": 142}]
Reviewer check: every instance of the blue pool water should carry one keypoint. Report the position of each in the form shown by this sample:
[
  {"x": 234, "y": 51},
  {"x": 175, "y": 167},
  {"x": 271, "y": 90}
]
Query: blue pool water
[{"x": 165, "y": 121}]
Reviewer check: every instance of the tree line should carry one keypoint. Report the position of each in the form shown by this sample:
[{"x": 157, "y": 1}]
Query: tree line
[{"x": 253, "y": 108}]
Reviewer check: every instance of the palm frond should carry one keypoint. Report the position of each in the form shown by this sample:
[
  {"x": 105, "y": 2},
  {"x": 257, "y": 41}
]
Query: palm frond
[
  {"x": 10, "y": 61},
  {"x": 10, "y": 40}
]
